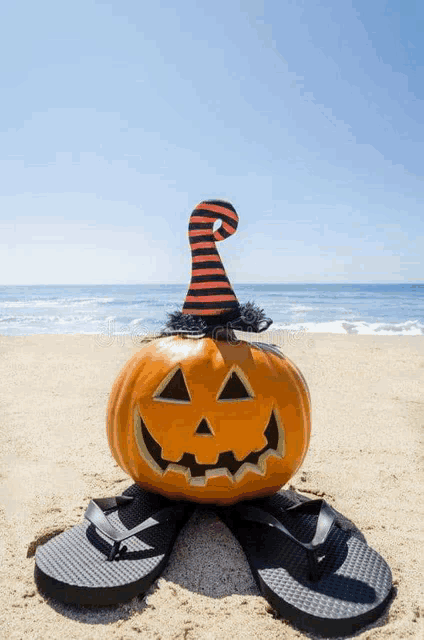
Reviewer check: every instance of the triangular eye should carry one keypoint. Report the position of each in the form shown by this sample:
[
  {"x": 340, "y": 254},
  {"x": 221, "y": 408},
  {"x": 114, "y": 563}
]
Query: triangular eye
[
  {"x": 175, "y": 390},
  {"x": 234, "y": 389}
]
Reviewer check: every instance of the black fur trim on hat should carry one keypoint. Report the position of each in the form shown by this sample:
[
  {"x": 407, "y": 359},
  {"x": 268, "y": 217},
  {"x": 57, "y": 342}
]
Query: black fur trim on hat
[
  {"x": 252, "y": 318},
  {"x": 247, "y": 317}
]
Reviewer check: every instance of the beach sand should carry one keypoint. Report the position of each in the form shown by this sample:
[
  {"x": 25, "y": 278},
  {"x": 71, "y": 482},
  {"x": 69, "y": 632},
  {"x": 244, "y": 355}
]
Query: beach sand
[{"x": 365, "y": 459}]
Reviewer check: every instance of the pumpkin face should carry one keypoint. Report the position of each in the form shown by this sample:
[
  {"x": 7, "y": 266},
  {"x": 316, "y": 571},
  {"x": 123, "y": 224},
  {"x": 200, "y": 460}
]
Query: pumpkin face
[{"x": 209, "y": 421}]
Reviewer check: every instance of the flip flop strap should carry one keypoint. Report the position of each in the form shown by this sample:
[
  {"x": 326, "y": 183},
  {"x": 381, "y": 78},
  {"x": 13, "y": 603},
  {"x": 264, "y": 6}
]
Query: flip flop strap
[
  {"x": 95, "y": 513},
  {"x": 326, "y": 518}
]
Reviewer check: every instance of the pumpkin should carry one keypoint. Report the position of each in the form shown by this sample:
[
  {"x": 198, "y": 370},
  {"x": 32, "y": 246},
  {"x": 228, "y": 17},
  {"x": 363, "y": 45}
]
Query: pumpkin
[{"x": 209, "y": 420}]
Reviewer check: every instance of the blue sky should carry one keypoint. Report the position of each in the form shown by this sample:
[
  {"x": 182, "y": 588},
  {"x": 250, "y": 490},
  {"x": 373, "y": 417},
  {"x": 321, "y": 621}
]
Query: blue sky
[{"x": 118, "y": 117}]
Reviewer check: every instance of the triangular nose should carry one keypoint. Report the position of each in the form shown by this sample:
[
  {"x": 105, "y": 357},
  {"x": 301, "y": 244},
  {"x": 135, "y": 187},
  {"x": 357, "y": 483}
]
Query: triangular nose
[{"x": 203, "y": 428}]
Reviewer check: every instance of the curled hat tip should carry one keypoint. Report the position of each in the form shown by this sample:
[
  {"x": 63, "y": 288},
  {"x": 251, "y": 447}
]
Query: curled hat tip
[{"x": 220, "y": 203}]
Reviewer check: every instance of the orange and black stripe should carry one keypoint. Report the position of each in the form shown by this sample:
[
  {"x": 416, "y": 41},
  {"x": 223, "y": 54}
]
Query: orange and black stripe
[{"x": 210, "y": 292}]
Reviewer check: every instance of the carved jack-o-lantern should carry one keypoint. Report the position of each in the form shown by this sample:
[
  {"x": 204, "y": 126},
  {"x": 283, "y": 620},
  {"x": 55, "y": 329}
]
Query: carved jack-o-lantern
[{"x": 208, "y": 420}]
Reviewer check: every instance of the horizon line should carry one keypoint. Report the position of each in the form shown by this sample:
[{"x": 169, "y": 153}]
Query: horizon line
[{"x": 136, "y": 284}]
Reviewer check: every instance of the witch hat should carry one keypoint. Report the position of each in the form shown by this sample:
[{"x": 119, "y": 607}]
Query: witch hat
[
  {"x": 210, "y": 292},
  {"x": 211, "y": 303}
]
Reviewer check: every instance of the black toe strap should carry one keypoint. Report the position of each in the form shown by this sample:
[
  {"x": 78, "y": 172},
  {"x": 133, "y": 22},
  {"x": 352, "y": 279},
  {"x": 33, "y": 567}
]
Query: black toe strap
[
  {"x": 95, "y": 513},
  {"x": 326, "y": 518}
]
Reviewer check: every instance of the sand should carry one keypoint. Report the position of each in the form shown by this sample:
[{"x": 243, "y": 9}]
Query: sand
[{"x": 365, "y": 459}]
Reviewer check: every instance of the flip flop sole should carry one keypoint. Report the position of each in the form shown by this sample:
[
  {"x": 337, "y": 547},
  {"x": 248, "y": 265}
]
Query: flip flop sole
[
  {"x": 355, "y": 582},
  {"x": 73, "y": 567}
]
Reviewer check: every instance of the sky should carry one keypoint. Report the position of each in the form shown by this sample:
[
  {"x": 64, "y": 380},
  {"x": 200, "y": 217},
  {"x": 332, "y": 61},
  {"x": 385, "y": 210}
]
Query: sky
[{"x": 118, "y": 117}]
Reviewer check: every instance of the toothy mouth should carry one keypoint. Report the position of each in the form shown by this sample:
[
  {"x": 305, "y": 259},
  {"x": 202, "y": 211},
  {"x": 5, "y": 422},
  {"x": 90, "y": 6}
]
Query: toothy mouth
[{"x": 227, "y": 464}]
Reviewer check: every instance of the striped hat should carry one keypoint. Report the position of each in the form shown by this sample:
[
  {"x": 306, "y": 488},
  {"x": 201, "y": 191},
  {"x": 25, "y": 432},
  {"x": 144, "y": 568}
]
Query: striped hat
[
  {"x": 210, "y": 303},
  {"x": 210, "y": 292}
]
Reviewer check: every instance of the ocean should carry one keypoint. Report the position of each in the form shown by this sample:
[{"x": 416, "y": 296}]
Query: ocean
[{"x": 137, "y": 310}]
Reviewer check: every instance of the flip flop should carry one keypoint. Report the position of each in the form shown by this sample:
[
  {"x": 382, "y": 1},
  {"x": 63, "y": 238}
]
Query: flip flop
[
  {"x": 89, "y": 564},
  {"x": 312, "y": 564}
]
